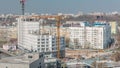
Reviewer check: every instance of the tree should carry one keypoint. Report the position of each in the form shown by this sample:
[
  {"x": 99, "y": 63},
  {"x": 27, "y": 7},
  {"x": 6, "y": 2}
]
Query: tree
[{"x": 116, "y": 56}]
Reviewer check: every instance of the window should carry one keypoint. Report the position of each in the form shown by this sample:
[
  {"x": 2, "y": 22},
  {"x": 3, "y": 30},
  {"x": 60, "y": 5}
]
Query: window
[
  {"x": 47, "y": 39},
  {"x": 38, "y": 39},
  {"x": 52, "y": 48},
  {"x": 53, "y": 38},
  {"x": 43, "y": 49},
  {"x": 47, "y": 49},
  {"x": 29, "y": 56},
  {"x": 43, "y": 39},
  {"x": 47, "y": 45},
  {"x": 53, "y": 45},
  {"x": 40, "y": 56},
  {"x": 42, "y": 45},
  {"x": 38, "y": 49},
  {"x": 38, "y": 45},
  {"x": 43, "y": 42},
  {"x": 38, "y": 42},
  {"x": 46, "y": 42},
  {"x": 53, "y": 42}
]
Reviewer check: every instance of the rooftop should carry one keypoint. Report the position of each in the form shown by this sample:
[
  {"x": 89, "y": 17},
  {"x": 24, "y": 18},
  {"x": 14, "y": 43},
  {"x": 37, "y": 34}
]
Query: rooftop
[{"x": 25, "y": 59}]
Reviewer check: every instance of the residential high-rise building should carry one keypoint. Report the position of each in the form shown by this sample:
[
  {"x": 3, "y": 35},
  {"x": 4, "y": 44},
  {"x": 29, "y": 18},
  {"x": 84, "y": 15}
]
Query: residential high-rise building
[{"x": 96, "y": 36}]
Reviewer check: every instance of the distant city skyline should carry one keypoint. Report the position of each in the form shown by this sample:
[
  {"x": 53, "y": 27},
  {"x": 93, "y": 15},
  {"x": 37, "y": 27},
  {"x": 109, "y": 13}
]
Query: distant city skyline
[{"x": 59, "y": 6}]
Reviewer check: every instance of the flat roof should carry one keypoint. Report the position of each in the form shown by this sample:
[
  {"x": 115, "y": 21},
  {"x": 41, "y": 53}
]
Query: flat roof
[{"x": 24, "y": 59}]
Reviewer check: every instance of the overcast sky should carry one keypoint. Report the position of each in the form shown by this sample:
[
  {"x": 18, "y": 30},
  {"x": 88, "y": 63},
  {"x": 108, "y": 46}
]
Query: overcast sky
[{"x": 56, "y": 6}]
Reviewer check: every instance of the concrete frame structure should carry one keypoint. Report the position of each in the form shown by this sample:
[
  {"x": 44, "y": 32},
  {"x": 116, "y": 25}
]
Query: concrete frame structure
[{"x": 31, "y": 36}]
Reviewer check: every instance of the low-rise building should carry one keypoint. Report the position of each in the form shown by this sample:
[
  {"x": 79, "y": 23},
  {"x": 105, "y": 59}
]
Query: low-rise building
[
  {"x": 25, "y": 61},
  {"x": 52, "y": 63}
]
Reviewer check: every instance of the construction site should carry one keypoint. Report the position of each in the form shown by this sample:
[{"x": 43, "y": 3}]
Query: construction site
[{"x": 63, "y": 41}]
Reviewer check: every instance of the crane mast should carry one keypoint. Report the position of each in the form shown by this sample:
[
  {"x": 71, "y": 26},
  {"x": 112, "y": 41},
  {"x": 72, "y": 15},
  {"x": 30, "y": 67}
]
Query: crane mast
[
  {"x": 58, "y": 37},
  {"x": 22, "y": 2}
]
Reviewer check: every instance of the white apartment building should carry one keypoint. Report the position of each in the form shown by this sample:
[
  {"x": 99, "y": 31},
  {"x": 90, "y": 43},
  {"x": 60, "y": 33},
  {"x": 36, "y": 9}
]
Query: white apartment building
[
  {"x": 96, "y": 37},
  {"x": 31, "y": 37}
]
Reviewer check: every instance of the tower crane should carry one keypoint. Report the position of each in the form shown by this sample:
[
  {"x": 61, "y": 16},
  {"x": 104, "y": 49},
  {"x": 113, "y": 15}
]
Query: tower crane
[{"x": 58, "y": 18}]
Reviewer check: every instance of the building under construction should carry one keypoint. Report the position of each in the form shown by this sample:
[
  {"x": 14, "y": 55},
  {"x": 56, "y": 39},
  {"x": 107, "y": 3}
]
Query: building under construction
[{"x": 33, "y": 37}]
